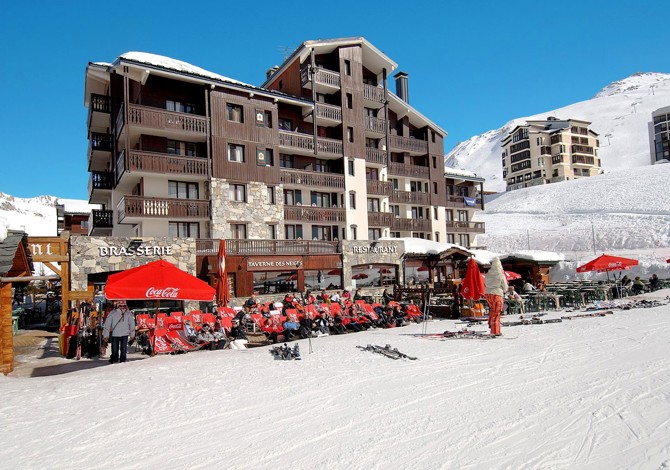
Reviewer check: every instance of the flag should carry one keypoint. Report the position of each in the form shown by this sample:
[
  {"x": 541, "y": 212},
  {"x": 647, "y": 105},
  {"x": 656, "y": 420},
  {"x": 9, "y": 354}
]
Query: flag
[{"x": 470, "y": 201}]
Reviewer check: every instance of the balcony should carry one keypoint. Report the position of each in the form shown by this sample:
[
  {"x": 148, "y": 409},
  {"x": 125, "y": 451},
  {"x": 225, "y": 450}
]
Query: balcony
[
  {"x": 326, "y": 81},
  {"x": 410, "y": 225},
  {"x": 327, "y": 115},
  {"x": 455, "y": 226},
  {"x": 373, "y": 94},
  {"x": 162, "y": 163},
  {"x": 582, "y": 160},
  {"x": 410, "y": 197},
  {"x": 582, "y": 149},
  {"x": 459, "y": 201},
  {"x": 410, "y": 171},
  {"x": 99, "y": 181},
  {"x": 167, "y": 123},
  {"x": 409, "y": 144},
  {"x": 545, "y": 150},
  {"x": 99, "y": 111},
  {"x": 557, "y": 160},
  {"x": 379, "y": 188},
  {"x": 139, "y": 207},
  {"x": 209, "y": 247},
  {"x": 375, "y": 155},
  {"x": 99, "y": 150},
  {"x": 380, "y": 219},
  {"x": 304, "y": 144},
  {"x": 312, "y": 178},
  {"x": 100, "y": 222},
  {"x": 375, "y": 125},
  {"x": 557, "y": 179},
  {"x": 315, "y": 215}
]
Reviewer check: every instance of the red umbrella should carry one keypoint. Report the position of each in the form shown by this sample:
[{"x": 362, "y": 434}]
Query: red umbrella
[
  {"x": 422, "y": 268},
  {"x": 222, "y": 289},
  {"x": 334, "y": 272},
  {"x": 606, "y": 263},
  {"x": 472, "y": 286},
  {"x": 511, "y": 275},
  {"x": 157, "y": 280},
  {"x": 667, "y": 260},
  {"x": 359, "y": 276}
]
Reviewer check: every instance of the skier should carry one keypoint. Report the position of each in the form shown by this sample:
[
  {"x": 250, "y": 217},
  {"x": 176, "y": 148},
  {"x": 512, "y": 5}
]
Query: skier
[{"x": 120, "y": 324}]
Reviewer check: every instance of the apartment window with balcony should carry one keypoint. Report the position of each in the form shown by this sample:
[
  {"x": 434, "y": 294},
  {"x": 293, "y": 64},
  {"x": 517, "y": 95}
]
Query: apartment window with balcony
[
  {"x": 374, "y": 233},
  {"x": 272, "y": 232},
  {"x": 395, "y": 183},
  {"x": 395, "y": 210},
  {"x": 462, "y": 216},
  {"x": 350, "y": 167},
  {"x": 448, "y": 215},
  {"x": 285, "y": 124},
  {"x": 371, "y": 113},
  {"x": 347, "y": 67},
  {"x": 540, "y": 161},
  {"x": 176, "y": 147},
  {"x": 320, "y": 199},
  {"x": 394, "y": 234},
  {"x": 417, "y": 212},
  {"x": 322, "y": 166},
  {"x": 238, "y": 231},
  {"x": 372, "y": 174},
  {"x": 183, "y": 190},
  {"x": 237, "y": 193},
  {"x": 184, "y": 229},
  {"x": 373, "y": 205},
  {"x": 352, "y": 200},
  {"x": 293, "y": 232},
  {"x": 349, "y": 100},
  {"x": 464, "y": 239},
  {"x": 321, "y": 232},
  {"x": 235, "y": 112},
  {"x": 271, "y": 195},
  {"x": 286, "y": 161},
  {"x": 236, "y": 153},
  {"x": 293, "y": 197},
  {"x": 179, "y": 107}
]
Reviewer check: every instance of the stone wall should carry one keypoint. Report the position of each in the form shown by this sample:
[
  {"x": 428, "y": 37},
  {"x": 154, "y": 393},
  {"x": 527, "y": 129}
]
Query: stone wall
[{"x": 356, "y": 253}]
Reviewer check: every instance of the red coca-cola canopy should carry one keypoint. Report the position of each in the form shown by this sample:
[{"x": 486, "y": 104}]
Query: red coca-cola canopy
[
  {"x": 605, "y": 263},
  {"x": 157, "y": 280}
]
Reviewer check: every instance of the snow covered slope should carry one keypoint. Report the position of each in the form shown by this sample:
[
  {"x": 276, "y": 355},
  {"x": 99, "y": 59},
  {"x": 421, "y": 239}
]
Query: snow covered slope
[{"x": 620, "y": 113}]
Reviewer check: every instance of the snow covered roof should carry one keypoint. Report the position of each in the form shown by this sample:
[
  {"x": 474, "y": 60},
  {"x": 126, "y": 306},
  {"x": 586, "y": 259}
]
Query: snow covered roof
[
  {"x": 419, "y": 246},
  {"x": 77, "y": 206},
  {"x": 484, "y": 257},
  {"x": 461, "y": 174},
  {"x": 535, "y": 255}
]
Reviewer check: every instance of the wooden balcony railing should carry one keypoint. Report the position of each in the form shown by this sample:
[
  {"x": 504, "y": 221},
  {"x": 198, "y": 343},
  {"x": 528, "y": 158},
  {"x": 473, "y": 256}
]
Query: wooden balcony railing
[
  {"x": 412, "y": 171},
  {"x": 314, "y": 214},
  {"x": 155, "y": 162},
  {"x": 410, "y": 197},
  {"x": 321, "y": 76},
  {"x": 410, "y": 144},
  {"x": 312, "y": 178},
  {"x": 100, "y": 142},
  {"x": 375, "y": 155},
  {"x": 156, "y": 118},
  {"x": 100, "y": 219},
  {"x": 410, "y": 225},
  {"x": 545, "y": 150},
  {"x": 373, "y": 93},
  {"x": 379, "y": 188},
  {"x": 582, "y": 149},
  {"x": 556, "y": 159},
  {"x": 139, "y": 206},
  {"x": 100, "y": 180},
  {"x": 205, "y": 247},
  {"x": 100, "y": 103},
  {"x": 374, "y": 124},
  {"x": 583, "y": 160},
  {"x": 297, "y": 140},
  {"x": 328, "y": 111},
  {"x": 380, "y": 219},
  {"x": 459, "y": 227}
]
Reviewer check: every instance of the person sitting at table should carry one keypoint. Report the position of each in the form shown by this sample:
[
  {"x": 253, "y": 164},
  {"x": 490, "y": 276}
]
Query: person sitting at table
[
  {"x": 654, "y": 282},
  {"x": 528, "y": 287},
  {"x": 638, "y": 286}
]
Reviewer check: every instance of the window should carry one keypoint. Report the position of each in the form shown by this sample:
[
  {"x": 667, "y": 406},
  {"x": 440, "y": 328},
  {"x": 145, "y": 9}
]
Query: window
[
  {"x": 449, "y": 215},
  {"x": 183, "y": 190},
  {"x": 271, "y": 195},
  {"x": 350, "y": 134},
  {"x": 396, "y": 184},
  {"x": 353, "y": 233},
  {"x": 395, "y": 210},
  {"x": 464, "y": 240},
  {"x": 434, "y": 162},
  {"x": 373, "y": 205},
  {"x": 437, "y": 237},
  {"x": 435, "y": 213},
  {"x": 370, "y": 112},
  {"x": 540, "y": 162},
  {"x": 272, "y": 232},
  {"x": 395, "y": 234},
  {"x": 374, "y": 233},
  {"x": 352, "y": 200},
  {"x": 237, "y": 192},
  {"x": 462, "y": 216},
  {"x": 292, "y": 197},
  {"x": 350, "y": 166},
  {"x": 184, "y": 229},
  {"x": 286, "y": 161},
  {"x": 238, "y": 231},
  {"x": 372, "y": 174},
  {"x": 450, "y": 238},
  {"x": 179, "y": 107},
  {"x": 347, "y": 67},
  {"x": 432, "y": 137},
  {"x": 417, "y": 212},
  {"x": 293, "y": 232},
  {"x": 263, "y": 117},
  {"x": 236, "y": 153},
  {"x": 264, "y": 157},
  {"x": 349, "y": 99},
  {"x": 285, "y": 124},
  {"x": 235, "y": 112},
  {"x": 322, "y": 166},
  {"x": 320, "y": 232},
  {"x": 434, "y": 187},
  {"x": 320, "y": 199}
]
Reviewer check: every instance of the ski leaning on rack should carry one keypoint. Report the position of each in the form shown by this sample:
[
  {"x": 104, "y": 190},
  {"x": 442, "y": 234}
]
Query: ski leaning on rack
[{"x": 387, "y": 351}]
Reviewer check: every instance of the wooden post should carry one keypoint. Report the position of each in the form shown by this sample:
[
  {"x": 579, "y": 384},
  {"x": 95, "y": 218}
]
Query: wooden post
[{"x": 6, "y": 330}]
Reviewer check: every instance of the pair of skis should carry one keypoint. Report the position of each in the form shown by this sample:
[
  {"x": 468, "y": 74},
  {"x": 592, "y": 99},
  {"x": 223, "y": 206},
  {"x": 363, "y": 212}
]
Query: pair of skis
[
  {"x": 531, "y": 321},
  {"x": 587, "y": 315},
  {"x": 469, "y": 334},
  {"x": 387, "y": 351}
]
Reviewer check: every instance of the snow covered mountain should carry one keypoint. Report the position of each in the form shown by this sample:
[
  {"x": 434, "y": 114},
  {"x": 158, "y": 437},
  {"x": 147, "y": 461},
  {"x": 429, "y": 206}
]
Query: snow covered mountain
[{"x": 620, "y": 114}]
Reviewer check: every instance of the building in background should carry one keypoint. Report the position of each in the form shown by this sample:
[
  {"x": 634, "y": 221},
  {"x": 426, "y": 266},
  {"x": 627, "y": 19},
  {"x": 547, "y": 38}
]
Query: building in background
[
  {"x": 549, "y": 151},
  {"x": 659, "y": 135}
]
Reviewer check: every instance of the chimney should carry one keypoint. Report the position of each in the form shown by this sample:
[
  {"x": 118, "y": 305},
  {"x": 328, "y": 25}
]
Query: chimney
[
  {"x": 271, "y": 71},
  {"x": 401, "y": 86}
]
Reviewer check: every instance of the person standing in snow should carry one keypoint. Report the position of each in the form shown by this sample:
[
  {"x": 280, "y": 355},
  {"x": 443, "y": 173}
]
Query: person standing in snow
[
  {"x": 120, "y": 324},
  {"x": 495, "y": 287}
]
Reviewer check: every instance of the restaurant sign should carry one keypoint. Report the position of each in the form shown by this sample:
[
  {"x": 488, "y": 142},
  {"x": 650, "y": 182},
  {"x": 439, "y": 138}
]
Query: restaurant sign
[
  {"x": 133, "y": 250},
  {"x": 265, "y": 264},
  {"x": 362, "y": 250}
]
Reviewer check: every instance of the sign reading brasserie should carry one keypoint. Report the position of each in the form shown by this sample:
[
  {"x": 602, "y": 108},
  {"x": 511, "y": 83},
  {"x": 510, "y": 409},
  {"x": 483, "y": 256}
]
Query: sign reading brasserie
[
  {"x": 149, "y": 250},
  {"x": 361, "y": 250}
]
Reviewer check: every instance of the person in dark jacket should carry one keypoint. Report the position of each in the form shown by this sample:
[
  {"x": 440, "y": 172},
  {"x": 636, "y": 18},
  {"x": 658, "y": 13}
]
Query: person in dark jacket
[
  {"x": 654, "y": 282},
  {"x": 119, "y": 326}
]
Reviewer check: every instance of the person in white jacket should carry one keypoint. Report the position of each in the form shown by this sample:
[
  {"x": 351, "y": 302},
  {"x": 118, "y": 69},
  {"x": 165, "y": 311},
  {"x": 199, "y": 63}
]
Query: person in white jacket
[
  {"x": 120, "y": 324},
  {"x": 495, "y": 286}
]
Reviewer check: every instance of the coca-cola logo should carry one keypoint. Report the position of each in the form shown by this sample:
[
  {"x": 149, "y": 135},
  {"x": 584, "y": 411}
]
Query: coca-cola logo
[{"x": 165, "y": 293}]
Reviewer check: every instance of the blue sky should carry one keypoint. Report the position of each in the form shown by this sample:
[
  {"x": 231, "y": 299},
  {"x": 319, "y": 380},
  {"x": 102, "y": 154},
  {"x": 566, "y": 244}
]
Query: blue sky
[{"x": 472, "y": 65}]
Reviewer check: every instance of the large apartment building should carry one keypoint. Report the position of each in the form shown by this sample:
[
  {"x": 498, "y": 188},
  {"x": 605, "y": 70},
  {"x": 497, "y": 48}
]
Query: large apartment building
[
  {"x": 549, "y": 151},
  {"x": 321, "y": 152},
  {"x": 659, "y": 135}
]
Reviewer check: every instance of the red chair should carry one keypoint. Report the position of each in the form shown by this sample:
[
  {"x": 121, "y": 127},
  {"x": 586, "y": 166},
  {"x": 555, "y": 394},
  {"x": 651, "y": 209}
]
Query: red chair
[
  {"x": 292, "y": 315},
  {"x": 335, "y": 308}
]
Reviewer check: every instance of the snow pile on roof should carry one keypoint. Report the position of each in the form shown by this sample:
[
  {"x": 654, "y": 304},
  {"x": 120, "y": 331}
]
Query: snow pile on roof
[
  {"x": 535, "y": 255},
  {"x": 177, "y": 65},
  {"x": 77, "y": 206},
  {"x": 460, "y": 172},
  {"x": 484, "y": 256},
  {"x": 419, "y": 246}
]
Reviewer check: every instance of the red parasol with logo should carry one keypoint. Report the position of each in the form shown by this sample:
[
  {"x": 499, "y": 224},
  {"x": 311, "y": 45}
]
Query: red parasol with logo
[
  {"x": 511, "y": 275},
  {"x": 607, "y": 263},
  {"x": 472, "y": 286},
  {"x": 222, "y": 289}
]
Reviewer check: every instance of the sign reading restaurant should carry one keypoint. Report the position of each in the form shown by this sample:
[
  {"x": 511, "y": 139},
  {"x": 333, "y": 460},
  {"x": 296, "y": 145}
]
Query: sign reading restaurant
[
  {"x": 132, "y": 250},
  {"x": 361, "y": 250}
]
